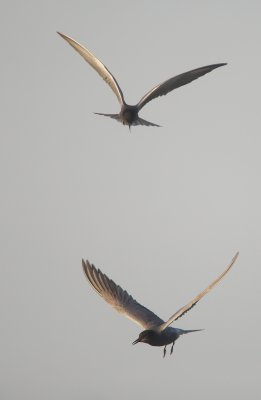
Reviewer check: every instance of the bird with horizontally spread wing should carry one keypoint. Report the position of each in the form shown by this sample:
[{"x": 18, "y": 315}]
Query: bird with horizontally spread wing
[
  {"x": 156, "y": 332},
  {"x": 128, "y": 114}
]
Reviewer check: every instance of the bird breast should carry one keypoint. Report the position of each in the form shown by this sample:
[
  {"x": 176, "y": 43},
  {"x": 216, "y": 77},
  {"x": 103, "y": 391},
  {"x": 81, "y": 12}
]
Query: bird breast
[{"x": 164, "y": 338}]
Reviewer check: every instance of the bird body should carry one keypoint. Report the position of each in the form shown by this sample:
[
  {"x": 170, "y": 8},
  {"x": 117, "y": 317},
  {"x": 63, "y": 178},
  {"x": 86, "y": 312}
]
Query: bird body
[
  {"x": 168, "y": 336},
  {"x": 154, "y": 338},
  {"x": 164, "y": 338},
  {"x": 156, "y": 332},
  {"x": 128, "y": 114}
]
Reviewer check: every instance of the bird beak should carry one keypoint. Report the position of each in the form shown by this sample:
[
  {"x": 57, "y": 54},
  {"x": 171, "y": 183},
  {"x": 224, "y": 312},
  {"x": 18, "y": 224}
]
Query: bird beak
[{"x": 136, "y": 341}]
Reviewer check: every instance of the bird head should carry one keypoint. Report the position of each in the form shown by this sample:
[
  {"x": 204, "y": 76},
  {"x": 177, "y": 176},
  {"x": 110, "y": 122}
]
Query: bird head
[{"x": 144, "y": 336}]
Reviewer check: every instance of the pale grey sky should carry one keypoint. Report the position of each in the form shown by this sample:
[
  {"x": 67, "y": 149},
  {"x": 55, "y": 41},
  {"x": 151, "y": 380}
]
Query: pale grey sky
[{"x": 160, "y": 210}]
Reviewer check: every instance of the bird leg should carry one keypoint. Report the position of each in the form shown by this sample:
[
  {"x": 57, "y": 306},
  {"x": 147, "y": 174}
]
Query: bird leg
[
  {"x": 164, "y": 351},
  {"x": 171, "y": 350}
]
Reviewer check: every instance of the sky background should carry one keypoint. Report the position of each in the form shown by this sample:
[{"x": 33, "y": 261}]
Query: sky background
[{"x": 160, "y": 210}]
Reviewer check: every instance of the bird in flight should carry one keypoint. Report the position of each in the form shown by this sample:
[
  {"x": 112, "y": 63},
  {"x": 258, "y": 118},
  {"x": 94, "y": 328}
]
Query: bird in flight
[
  {"x": 128, "y": 114},
  {"x": 156, "y": 332}
]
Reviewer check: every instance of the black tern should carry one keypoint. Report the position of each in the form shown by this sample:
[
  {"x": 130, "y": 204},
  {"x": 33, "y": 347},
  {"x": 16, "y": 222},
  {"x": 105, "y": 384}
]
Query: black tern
[
  {"x": 128, "y": 114},
  {"x": 157, "y": 332}
]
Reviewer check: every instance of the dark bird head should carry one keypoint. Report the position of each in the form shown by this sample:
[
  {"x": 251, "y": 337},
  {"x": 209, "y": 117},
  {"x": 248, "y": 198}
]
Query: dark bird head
[{"x": 145, "y": 337}]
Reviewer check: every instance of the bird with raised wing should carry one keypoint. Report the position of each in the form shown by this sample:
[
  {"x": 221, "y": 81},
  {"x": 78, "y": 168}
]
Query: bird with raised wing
[
  {"x": 156, "y": 332},
  {"x": 128, "y": 114}
]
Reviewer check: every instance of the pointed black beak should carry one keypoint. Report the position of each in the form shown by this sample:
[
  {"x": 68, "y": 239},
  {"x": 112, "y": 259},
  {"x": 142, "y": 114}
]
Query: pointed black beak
[{"x": 136, "y": 341}]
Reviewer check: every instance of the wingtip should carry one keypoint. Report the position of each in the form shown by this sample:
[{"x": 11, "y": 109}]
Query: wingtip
[
  {"x": 214, "y": 66},
  {"x": 233, "y": 260},
  {"x": 221, "y": 64},
  {"x": 235, "y": 256},
  {"x": 85, "y": 265},
  {"x": 61, "y": 34}
]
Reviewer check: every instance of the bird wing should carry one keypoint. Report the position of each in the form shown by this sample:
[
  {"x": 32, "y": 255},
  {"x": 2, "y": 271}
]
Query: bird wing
[
  {"x": 119, "y": 299},
  {"x": 97, "y": 65},
  {"x": 175, "y": 82},
  {"x": 193, "y": 302}
]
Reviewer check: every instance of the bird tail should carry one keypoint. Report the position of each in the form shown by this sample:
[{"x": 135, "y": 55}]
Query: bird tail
[
  {"x": 184, "y": 331},
  {"x": 114, "y": 116},
  {"x": 140, "y": 121}
]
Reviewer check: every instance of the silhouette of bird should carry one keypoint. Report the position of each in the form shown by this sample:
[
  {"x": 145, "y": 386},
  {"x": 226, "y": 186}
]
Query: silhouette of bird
[
  {"x": 128, "y": 114},
  {"x": 156, "y": 332}
]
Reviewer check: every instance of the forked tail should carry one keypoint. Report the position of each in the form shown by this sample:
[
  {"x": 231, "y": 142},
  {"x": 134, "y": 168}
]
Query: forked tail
[{"x": 138, "y": 121}]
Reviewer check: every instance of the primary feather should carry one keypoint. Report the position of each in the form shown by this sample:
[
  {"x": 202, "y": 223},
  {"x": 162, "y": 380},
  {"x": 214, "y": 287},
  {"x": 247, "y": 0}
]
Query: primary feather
[
  {"x": 97, "y": 65},
  {"x": 196, "y": 299},
  {"x": 119, "y": 298}
]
